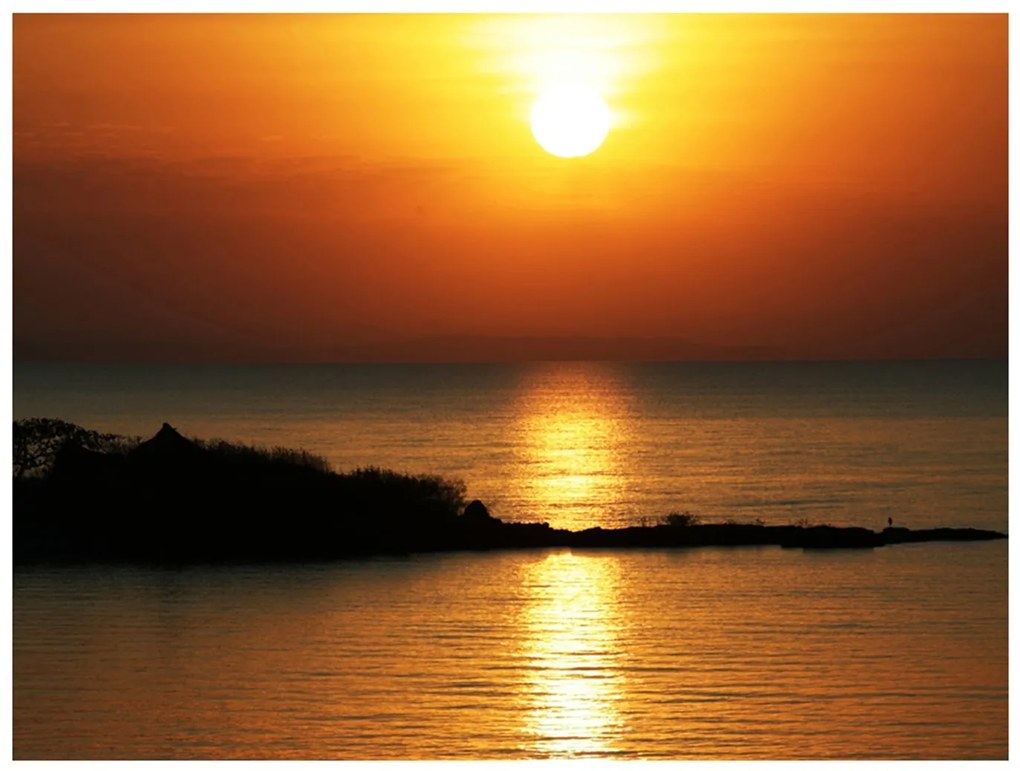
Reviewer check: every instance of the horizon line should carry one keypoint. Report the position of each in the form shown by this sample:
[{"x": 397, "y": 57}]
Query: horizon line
[{"x": 447, "y": 362}]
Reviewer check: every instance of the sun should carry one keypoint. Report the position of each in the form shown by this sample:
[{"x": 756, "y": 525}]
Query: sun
[{"x": 569, "y": 120}]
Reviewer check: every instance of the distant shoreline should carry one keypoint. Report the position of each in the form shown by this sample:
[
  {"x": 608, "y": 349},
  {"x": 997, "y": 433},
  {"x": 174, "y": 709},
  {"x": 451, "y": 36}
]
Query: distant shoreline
[
  {"x": 521, "y": 537},
  {"x": 82, "y": 496}
]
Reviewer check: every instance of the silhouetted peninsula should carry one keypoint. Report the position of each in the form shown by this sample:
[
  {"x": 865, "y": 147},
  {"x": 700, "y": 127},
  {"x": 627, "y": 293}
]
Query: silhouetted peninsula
[{"x": 84, "y": 496}]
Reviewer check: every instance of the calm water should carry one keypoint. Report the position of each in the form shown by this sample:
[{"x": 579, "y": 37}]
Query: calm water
[
  {"x": 580, "y": 444},
  {"x": 711, "y": 653}
]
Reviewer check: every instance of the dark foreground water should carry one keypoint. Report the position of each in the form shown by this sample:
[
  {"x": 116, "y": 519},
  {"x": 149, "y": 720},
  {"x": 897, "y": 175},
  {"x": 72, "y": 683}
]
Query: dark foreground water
[
  {"x": 899, "y": 652},
  {"x": 584, "y": 444}
]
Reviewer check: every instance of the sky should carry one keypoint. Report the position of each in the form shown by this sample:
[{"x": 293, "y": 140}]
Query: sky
[{"x": 362, "y": 187}]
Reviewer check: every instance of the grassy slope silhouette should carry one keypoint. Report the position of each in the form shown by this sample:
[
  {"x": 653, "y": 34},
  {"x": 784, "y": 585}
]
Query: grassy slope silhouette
[{"x": 80, "y": 495}]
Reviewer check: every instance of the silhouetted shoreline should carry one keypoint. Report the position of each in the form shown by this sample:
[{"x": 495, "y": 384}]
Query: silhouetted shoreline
[{"x": 81, "y": 496}]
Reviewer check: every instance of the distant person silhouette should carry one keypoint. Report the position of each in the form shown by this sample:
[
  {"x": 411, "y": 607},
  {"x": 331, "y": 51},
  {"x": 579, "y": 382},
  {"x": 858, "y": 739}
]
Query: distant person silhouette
[{"x": 890, "y": 521}]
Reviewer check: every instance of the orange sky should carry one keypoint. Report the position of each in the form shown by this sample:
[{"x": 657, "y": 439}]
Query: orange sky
[{"x": 316, "y": 187}]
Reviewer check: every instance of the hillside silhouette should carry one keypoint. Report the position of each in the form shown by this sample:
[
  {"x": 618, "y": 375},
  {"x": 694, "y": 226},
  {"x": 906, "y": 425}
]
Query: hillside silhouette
[{"x": 80, "y": 495}]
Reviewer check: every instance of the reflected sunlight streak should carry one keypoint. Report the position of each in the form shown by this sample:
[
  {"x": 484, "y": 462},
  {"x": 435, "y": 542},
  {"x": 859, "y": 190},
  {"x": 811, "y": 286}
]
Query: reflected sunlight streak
[
  {"x": 571, "y": 644},
  {"x": 574, "y": 424}
]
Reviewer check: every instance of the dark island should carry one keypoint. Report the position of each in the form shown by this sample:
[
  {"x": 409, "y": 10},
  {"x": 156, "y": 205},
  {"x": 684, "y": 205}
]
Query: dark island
[{"x": 83, "y": 496}]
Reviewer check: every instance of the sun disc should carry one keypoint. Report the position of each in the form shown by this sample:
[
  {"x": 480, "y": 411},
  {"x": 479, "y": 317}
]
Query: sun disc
[{"x": 569, "y": 120}]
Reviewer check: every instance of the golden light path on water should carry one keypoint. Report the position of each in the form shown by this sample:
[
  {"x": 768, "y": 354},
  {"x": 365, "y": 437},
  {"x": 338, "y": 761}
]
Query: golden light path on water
[
  {"x": 573, "y": 425},
  {"x": 571, "y": 646},
  {"x": 705, "y": 654},
  {"x": 899, "y": 652}
]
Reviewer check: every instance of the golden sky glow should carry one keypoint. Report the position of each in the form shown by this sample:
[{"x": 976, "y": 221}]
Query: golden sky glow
[{"x": 312, "y": 187}]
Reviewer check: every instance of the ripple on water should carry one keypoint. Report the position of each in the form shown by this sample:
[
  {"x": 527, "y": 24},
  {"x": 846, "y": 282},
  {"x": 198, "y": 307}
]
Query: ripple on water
[{"x": 712, "y": 653}]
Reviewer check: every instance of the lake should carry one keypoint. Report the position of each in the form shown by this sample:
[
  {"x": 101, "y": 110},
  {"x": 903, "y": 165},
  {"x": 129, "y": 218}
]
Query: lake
[
  {"x": 752, "y": 653},
  {"x": 897, "y": 652},
  {"x": 583, "y": 444}
]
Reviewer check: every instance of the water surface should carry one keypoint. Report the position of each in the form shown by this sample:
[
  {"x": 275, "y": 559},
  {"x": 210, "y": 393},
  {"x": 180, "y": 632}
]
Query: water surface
[
  {"x": 898, "y": 652},
  {"x": 585, "y": 444}
]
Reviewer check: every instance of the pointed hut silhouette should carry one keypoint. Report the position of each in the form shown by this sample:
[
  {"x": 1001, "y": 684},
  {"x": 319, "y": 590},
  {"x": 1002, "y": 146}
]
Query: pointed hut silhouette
[
  {"x": 168, "y": 454},
  {"x": 167, "y": 443}
]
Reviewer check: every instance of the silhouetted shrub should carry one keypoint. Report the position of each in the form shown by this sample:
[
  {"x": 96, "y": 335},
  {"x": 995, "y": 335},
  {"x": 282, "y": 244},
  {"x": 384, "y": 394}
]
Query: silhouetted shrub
[
  {"x": 758, "y": 521},
  {"x": 680, "y": 519},
  {"x": 232, "y": 452},
  {"x": 422, "y": 492}
]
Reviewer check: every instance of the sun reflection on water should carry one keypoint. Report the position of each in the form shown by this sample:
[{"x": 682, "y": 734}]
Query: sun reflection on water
[
  {"x": 572, "y": 649},
  {"x": 573, "y": 425}
]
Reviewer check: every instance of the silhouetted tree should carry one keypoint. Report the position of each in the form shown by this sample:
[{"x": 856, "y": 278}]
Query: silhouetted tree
[{"x": 36, "y": 442}]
